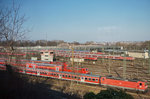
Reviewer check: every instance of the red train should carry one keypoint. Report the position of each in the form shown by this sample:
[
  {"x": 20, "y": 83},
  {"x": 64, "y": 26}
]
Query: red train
[
  {"x": 90, "y": 55},
  {"x": 33, "y": 69},
  {"x": 57, "y": 66},
  {"x": 2, "y": 65},
  {"x": 54, "y": 67},
  {"x": 116, "y": 57},
  {"x": 85, "y": 78}
]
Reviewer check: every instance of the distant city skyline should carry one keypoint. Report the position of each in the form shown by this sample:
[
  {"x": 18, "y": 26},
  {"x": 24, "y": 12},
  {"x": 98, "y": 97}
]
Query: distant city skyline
[{"x": 86, "y": 20}]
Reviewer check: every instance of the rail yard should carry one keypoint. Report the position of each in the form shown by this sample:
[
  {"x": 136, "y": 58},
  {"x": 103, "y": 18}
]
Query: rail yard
[
  {"x": 97, "y": 64},
  {"x": 74, "y": 49}
]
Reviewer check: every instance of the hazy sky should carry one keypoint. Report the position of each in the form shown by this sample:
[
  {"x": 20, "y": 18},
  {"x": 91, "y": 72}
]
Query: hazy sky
[{"x": 86, "y": 20}]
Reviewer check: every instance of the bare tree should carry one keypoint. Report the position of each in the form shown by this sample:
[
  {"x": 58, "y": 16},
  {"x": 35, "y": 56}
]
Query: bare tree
[{"x": 11, "y": 27}]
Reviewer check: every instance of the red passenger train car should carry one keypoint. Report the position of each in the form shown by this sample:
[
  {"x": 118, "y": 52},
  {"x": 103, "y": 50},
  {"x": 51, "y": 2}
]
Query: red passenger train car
[
  {"x": 44, "y": 66},
  {"x": 56, "y": 67},
  {"x": 2, "y": 64},
  {"x": 2, "y": 67}
]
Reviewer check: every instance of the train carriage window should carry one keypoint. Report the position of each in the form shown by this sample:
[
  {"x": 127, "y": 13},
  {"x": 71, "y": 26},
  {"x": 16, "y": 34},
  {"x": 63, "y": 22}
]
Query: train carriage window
[
  {"x": 85, "y": 78},
  {"x": 27, "y": 65},
  {"x": 78, "y": 78},
  {"x": 82, "y": 78},
  {"x": 72, "y": 76},
  {"x": 52, "y": 73},
  {"x": 33, "y": 66},
  {"x": 93, "y": 79},
  {"x": 63, "y": 75},
  {"x": 51, "y": 52},
  {"x": 75, "y": 77},
  {"x": 66, "y": 75},
  {"x": 90, "y": 79},
  {"x": 57, "y": 74},
  {"x": 69, "y": 76},
  {"x": 140, "y": 84},
  {"x": 96, "y": 79}
]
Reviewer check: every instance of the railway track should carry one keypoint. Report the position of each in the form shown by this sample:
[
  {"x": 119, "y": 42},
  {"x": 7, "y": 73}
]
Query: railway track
[
  {"x": 134, "y": 69},
  {"x": 102, "y": 69}
]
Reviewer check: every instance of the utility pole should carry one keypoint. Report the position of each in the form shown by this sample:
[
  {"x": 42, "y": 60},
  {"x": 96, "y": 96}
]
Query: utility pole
[
  {"x": 149, "y": 62},
  {"x": 72, "y": 58},
  {"x": 103, "y": 55},
  {"x": 113, "y": 50},
  {"x": 72, "y": 64},
  {"x": 149, "y": 56},
  {"x": 124, "y": 66},
  {"x": 109, "y": 63}
]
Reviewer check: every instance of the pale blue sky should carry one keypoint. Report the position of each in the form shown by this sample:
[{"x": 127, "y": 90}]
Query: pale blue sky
[{"x": 87, "y": 20}]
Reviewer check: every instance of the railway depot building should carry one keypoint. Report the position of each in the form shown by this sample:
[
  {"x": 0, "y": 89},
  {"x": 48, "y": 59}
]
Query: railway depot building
[
  {"x": 47, "y": 55},
  {"x": 138, "y": 54}
]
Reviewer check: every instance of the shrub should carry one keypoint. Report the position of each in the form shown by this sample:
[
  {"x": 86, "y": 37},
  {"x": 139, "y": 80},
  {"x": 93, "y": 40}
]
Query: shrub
[
  {"x": 108, "y": 94},
  {"x": 89, "y": 95}
]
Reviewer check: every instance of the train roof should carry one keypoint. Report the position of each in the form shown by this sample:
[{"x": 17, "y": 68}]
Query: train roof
[
  {"x": 45, "y": 64},
  {"x": 117, "y": 78},
  {"x": 70, "y": 73},
  {"x": 2, "y": 60}
]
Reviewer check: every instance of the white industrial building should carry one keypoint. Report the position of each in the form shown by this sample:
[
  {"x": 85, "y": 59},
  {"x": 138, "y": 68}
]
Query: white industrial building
[
  {"x": 138, "y": 54},
  {"x": 47, "y": 55}
]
